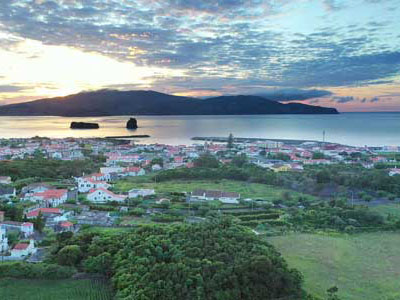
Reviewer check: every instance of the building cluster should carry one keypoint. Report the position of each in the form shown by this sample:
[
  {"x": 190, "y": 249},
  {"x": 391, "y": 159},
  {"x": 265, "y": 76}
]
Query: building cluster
[{"x": 124, "y": 159}]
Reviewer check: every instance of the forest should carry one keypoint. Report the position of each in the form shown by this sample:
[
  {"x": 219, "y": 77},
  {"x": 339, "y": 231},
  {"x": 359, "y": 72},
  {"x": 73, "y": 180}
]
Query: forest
[{"x": 217, "y": 259}]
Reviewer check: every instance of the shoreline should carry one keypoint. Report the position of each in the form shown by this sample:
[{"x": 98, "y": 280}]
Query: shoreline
[{"x": 244, "y": 139}]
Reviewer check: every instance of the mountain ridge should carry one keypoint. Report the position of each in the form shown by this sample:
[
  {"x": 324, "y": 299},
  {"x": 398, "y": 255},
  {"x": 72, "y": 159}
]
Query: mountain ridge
[{"x": 142, "y": 102}]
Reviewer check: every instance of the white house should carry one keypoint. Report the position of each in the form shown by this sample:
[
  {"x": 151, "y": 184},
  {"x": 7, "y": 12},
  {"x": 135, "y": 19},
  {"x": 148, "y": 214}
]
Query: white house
[
  {"x": 134, "y": 171},
  {"x": 5, "y": 180},
  {"x": 7, "y": 192},
  {"x": 99, "y": 176},
  {"x": 23, "y": 249},
  {"x": 224, "y": 197},
  {"x": 36, "y": 188},
  {"x": 102, "y": 195},
  {"x": 86, "y": 184},
  {"x": 50, "y": 198},
  {"x": 134, "y": 193},
  {"x": 26, "y": 228},
  {"x": 109, "y": 170},
  {"x": 56, "y": 155},
  {"x": 156, "y": 167},
  {"x": 3, "y": 240},
  {"x": 393, "y": 172}
]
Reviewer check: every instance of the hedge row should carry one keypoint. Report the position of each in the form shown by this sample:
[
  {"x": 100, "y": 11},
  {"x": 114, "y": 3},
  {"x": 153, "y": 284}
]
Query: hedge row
[
  {"x": 271, "y": 216},
  {"x": 23, "y": 270},
  {"x": 166, "y": 218},
  {"x": 245, "y": 213}
]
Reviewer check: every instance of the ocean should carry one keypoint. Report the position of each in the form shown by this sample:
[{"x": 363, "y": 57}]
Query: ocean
[{"x": 356, "y": 129}]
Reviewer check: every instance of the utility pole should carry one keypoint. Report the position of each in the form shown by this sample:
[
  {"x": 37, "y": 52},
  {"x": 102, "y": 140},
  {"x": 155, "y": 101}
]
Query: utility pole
[{"x": 352, "y": 198}]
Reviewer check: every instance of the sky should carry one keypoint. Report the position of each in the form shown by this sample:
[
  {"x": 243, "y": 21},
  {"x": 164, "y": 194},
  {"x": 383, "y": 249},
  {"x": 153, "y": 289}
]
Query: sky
[{"x": 343, "y": 54}]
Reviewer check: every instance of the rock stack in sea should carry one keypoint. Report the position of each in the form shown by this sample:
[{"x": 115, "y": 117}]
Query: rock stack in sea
[{"x": 131, "y": 124}]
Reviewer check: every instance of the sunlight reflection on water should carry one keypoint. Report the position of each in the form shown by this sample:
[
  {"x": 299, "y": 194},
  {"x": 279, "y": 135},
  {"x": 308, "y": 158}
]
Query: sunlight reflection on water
[{"x": 347, "y": 128}]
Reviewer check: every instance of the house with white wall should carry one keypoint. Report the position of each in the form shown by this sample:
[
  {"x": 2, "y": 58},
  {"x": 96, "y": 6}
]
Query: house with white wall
[
  {"x": 394, "y": 171},
  {"x": 25, "y": 228},
  {"x": 50, "y": 198},
  {"x": 23, "y": 249},
  {"x": 206, "y": 195},
  {"x": 5, "y": 180},
  {"x": 109, "y": 170},
  {"x": 36, "y": 188},
  {"x": 134, "y": 193},
  {"x": 133, "y": 171},
  {"x": 7, "y": 192},
  {"x": 102, "y": 195},
  {"x": 3, "y": 240},
  {"x": 86, "y": 184}
]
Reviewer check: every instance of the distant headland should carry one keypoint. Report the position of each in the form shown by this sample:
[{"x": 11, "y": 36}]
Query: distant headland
[{"x": 112, "y": 103}]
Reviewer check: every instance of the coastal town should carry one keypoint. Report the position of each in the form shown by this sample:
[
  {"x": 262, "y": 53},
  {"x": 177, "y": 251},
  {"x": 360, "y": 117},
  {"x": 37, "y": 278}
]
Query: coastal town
[{"x": 35, "y": 209}]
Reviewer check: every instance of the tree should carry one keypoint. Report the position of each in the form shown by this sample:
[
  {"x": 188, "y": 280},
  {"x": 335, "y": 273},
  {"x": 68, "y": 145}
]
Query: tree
[
  {"x": 286, "y": 196},
  {"x": 215, "y": 259},
  {"x": 99, "y": 264},
  {"x": 230, "y": 141},
  {"x": 157, "y": 161},
  {"x": 69, "y": 255},
  {"x": 239, "y": 160},
  {"x": 318, "y": 155},
  {"x": 206, "y": 160},
  {"x": 39, "y": 222},
  {"x": 332, "y": 293}
]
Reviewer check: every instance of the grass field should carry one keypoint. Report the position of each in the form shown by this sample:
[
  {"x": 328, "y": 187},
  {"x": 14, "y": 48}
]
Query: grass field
[
  {"x": 246, "y": 190},
  {"x": 363, "y": 266},
  {"x": 389, "y": 209},
  {"x": 21, "y": 289}
]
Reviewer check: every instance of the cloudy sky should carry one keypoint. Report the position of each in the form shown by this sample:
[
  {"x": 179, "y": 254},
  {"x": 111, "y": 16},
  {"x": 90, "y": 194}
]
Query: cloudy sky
[{"x": 343, "y": 54}]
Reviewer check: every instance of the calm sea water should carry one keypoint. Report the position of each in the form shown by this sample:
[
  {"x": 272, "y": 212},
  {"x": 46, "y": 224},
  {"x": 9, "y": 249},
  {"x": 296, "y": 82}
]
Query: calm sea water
[{"x": 358, "y": 129}]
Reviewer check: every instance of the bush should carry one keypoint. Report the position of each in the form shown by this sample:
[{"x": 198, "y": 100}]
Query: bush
[
  {"x": 260, "y": 217},
  {"x": 138, "y": 212},
  {"x": 22, "y": 270},
  {"x": 69, "y": 255},
  {"x": 166, "y": 218}
]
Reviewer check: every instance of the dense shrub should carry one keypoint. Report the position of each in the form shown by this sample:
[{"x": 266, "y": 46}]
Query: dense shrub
[
  {"x": 212, "y": 260},
  {"x": 166, "y": 218},
  {"x": 259, "y": 217},
  {"x": 48, "y": 168},
  {"x": 24, "y": 270}
]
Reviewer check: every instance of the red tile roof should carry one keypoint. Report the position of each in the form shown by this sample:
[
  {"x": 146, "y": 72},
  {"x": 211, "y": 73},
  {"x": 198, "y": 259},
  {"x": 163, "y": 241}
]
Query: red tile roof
[
  {"x": 132, "y": 169},
  {"x": 51, "y": 194},
  {"x": 66, "y": 224},
  {"x": 21, "y": 246},
  {"x": 34, "y": 213},
  {"x": 107, "y": 192}
]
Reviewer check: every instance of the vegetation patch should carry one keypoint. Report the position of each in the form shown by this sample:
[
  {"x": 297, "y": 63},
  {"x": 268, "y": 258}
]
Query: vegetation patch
[
  {"x": 69, "y": 289},
  {"x": 363, "y": 266},
  {"x": 212, "y": 260}
]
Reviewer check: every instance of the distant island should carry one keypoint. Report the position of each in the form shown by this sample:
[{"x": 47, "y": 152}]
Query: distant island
[
  {"x": 111, "y": 102},
  {"x": 83, "y": 125}
]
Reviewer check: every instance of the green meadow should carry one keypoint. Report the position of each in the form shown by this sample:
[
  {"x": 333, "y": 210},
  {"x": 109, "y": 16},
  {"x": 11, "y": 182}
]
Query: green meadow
[
  {"x": 246, "y": 190},
  {"x": 388, "y": 210},
  {"x": 69, "y": 289},
  {"x": 363, "y": 266}
]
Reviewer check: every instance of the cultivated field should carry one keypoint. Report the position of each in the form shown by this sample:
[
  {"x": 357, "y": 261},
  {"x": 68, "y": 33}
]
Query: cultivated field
[
  {"x": 246, "y": 190},
  {"x": 363, "y": 266},
  {"x": 21, "y": 289}
]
